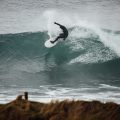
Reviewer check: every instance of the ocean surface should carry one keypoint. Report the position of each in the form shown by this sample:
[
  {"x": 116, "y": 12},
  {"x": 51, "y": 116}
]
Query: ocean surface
[{"x": 86, "y": 66}]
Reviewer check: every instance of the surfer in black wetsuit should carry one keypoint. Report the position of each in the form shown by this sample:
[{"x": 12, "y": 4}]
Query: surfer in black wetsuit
[{"x": 62, "y": 35}]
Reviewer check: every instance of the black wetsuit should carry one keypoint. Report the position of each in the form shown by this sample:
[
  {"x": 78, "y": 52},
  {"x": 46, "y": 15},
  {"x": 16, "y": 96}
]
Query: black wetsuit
[{"x": 62, "y": 35}]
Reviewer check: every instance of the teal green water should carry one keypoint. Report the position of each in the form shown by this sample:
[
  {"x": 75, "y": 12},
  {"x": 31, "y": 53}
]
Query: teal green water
[{"x": 24, "y": 57}]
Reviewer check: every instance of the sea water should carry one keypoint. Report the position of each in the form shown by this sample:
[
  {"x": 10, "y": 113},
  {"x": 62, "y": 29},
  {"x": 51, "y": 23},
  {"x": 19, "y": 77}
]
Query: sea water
[{"x": 86, "y": 66}]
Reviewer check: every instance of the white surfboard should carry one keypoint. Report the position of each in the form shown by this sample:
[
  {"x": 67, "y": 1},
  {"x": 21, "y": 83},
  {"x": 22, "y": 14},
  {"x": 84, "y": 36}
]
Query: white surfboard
[{"x": 48, "y": 44}]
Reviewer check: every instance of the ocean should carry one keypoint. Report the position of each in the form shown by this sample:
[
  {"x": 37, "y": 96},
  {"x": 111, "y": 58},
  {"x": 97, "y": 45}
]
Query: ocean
[{"x": 86, "y": 66}]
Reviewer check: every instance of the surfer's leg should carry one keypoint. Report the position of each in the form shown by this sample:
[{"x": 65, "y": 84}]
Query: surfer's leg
[
  {"x": 60, "y": 36},
  {"x": 55, "y": 39}
]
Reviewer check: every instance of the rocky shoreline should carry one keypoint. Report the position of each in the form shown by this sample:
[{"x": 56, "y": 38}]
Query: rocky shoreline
[{"x": 23, "y": 109}]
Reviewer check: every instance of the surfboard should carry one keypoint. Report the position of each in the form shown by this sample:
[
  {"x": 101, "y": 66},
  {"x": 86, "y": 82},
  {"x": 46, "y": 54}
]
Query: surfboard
[{"x": 48, "y": 44}]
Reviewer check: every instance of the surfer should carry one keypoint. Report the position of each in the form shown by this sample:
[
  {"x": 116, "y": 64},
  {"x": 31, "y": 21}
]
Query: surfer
[{"x": 62, "y": 35}]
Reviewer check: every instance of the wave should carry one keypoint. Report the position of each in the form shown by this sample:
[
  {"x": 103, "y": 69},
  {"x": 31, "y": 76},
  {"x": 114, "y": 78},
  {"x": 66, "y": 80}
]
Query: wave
[
  {"x": 88, "y": 51},
  {"x": 83, "y": 46}
]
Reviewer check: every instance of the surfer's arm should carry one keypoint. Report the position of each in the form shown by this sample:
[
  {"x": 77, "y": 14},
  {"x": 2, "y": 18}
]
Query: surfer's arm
[{"x": 57, "y": 24}]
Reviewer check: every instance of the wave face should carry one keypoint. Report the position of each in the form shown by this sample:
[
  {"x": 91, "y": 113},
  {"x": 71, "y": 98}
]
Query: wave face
[{"x": 82, "y": 55}]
